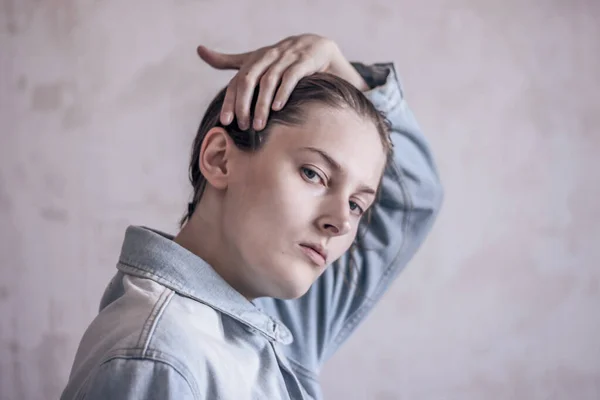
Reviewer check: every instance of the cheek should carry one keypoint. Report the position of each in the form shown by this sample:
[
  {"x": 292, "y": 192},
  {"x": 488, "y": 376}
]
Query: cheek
[
  {"x": 268, "y": 204},
  {"x": 282, "y": 193}
]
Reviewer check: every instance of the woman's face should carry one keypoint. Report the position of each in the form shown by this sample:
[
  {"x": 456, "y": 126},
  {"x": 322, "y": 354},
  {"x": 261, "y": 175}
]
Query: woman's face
[{"x": 293, "y": 207}]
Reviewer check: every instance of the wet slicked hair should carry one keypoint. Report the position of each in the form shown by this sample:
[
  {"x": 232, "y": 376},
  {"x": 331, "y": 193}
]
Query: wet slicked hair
[{"x": 319, "y": 88}]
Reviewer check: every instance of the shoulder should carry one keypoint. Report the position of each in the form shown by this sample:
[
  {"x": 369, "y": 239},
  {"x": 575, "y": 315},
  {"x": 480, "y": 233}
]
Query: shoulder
[
  {"x": 124, "y": 378},
  {"x": 154, "y": 319},
  {"x": 149, "y": 333}
]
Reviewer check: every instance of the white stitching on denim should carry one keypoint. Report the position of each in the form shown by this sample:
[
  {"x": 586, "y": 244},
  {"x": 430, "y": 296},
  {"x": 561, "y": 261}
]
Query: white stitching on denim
[{"x": 153, "y": 318}]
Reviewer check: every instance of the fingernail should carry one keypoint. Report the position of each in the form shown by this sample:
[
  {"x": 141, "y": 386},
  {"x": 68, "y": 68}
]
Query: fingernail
[
  {"x": 277, "y": 105},
  {"x": 258, "y": 124},
  {"x": 227, "y": 118},
  {"x": 243, "y": 125}
]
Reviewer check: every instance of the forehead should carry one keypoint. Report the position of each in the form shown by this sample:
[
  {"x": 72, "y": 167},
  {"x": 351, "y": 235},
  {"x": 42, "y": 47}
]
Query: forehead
[{"x": 351, "y": 140}]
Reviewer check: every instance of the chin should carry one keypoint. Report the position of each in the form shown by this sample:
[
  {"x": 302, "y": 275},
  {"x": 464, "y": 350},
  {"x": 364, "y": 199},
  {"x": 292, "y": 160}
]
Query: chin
[
  {"x": 285, "y": 278},
  {"x": 294, "y": 285},
  {"x": 291, "y": 293}
]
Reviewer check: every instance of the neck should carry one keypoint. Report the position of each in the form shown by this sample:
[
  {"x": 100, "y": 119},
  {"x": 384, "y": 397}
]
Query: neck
[{"x": 203, "y": 236}]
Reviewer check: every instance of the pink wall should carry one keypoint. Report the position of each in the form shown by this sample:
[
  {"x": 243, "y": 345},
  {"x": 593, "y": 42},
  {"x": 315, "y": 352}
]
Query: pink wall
[{"x": 99, "y": 104}]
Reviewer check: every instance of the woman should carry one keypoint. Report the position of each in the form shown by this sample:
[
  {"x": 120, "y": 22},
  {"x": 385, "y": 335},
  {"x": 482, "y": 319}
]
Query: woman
[{"x": 276, "y": 263}]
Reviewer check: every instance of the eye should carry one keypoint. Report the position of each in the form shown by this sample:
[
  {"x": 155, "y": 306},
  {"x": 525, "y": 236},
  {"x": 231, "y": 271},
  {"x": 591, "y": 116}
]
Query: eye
[
  {"x": 311, "y": 175},
  {"x": 355, "y": 207}
]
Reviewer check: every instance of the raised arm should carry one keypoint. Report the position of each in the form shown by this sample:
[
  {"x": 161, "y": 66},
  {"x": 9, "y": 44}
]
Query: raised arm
[{"x": 410, "y": 198}]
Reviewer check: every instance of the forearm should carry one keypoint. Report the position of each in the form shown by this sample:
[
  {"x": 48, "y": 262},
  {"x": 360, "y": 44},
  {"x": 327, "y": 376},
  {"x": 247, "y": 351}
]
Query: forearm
[
  {"x": 412, "y": 153},
  {"x": 409, "y": 200}
]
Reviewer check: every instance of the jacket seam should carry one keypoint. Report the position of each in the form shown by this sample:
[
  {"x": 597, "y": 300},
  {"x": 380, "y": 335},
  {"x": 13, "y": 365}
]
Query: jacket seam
[
  {"x": 153, "y": 319},
  {"x": 178, "y": 288},
  {"x": 360, "y": 313},
  {"x": 302, "y": 370},
  {"x": 174, "y": 284},
  {"x": 146, "y": 357}
]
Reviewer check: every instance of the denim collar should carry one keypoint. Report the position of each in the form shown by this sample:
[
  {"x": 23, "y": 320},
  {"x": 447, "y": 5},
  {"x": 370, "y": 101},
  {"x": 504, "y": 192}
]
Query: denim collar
[{"x": 154, "y": 255}]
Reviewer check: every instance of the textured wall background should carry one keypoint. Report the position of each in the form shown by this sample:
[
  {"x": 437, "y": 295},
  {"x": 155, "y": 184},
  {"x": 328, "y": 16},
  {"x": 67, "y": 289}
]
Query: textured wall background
[{"x": 99, "y": 104}]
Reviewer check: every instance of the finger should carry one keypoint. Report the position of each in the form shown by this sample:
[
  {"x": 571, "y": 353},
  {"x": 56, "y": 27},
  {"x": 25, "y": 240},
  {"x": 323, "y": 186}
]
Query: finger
[
  {"x": 268, "y": 84},
  {"x": 247, "y": 80},
  {"x": 229, "y": 103},
  {"x": 222, "y": 60},
  {"x": 289, "y": 81}
]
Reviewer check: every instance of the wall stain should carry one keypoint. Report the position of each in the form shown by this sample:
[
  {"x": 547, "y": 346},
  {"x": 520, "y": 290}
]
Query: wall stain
[
  {"x": 48, "y": 97},
  {"x": 151, "y": 81},
  {"x": 379, "y": 11},
  {"x": 4, "y": 293},
  {"x": 10, "y": 19},
  {"x": 5, "y": 201},
  {"x": 16, "y": 15},
  {"x": 55, "y": 185},
  {"x": 75, "y": 117},
  {"x": 594, "y": 286},
  {"x": 56, "y": 96},
  {"x": 51, "y": 352},
  {"x": 55, "y": 315},
  {"x": 63, "y": 16},
  {"x": 536, "y": 294},
  {"x": 60, "y": 18},
  {"x": 20, "y": 174},
  {"x": 15, "y": 356},
  {"x": 22, "y": 83},
  {"x": 54, "y": 214},
  {"x": 386, "y": 395}
]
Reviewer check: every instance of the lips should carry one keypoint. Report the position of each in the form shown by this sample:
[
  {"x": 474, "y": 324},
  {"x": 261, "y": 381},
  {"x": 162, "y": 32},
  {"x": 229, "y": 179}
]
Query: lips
[{"x": 315, "y": 253}]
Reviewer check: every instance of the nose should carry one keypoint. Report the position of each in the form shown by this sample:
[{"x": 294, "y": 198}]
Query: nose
[{"x": 335, "y": 223}]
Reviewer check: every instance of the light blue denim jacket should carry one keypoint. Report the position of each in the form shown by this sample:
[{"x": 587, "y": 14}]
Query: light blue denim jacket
[{"x": 170, "y": 327}]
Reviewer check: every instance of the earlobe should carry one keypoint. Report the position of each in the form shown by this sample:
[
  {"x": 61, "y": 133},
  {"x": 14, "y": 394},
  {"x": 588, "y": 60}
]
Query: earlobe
[{"x": 214, "y": 157}]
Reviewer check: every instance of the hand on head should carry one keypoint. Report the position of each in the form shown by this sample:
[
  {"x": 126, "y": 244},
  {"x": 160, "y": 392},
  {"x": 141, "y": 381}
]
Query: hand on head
[{"x": 276, "y": 70}]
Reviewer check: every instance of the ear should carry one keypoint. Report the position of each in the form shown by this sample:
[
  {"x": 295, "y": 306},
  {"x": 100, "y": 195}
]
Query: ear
[{"x": 214, "y": 156}]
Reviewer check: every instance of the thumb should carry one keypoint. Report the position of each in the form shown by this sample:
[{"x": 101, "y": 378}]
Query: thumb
[{"x": 221, "y": 60}]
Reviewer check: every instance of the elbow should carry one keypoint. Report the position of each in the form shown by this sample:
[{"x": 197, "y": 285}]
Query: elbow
[
  {"x": 429, "y": 196},
  {"x": 432, "y": 188},
  {"x": 438, "y": 196}
]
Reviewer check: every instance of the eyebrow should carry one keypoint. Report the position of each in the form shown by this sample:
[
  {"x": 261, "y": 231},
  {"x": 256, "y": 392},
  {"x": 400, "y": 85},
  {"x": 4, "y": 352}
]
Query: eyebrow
[{"x": 336, "y": 166}]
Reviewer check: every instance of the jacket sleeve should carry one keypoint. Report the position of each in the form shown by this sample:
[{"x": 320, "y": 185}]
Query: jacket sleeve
[
  {"x": 410, "y": 198},
  {"x": 139, "y": 379}
]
